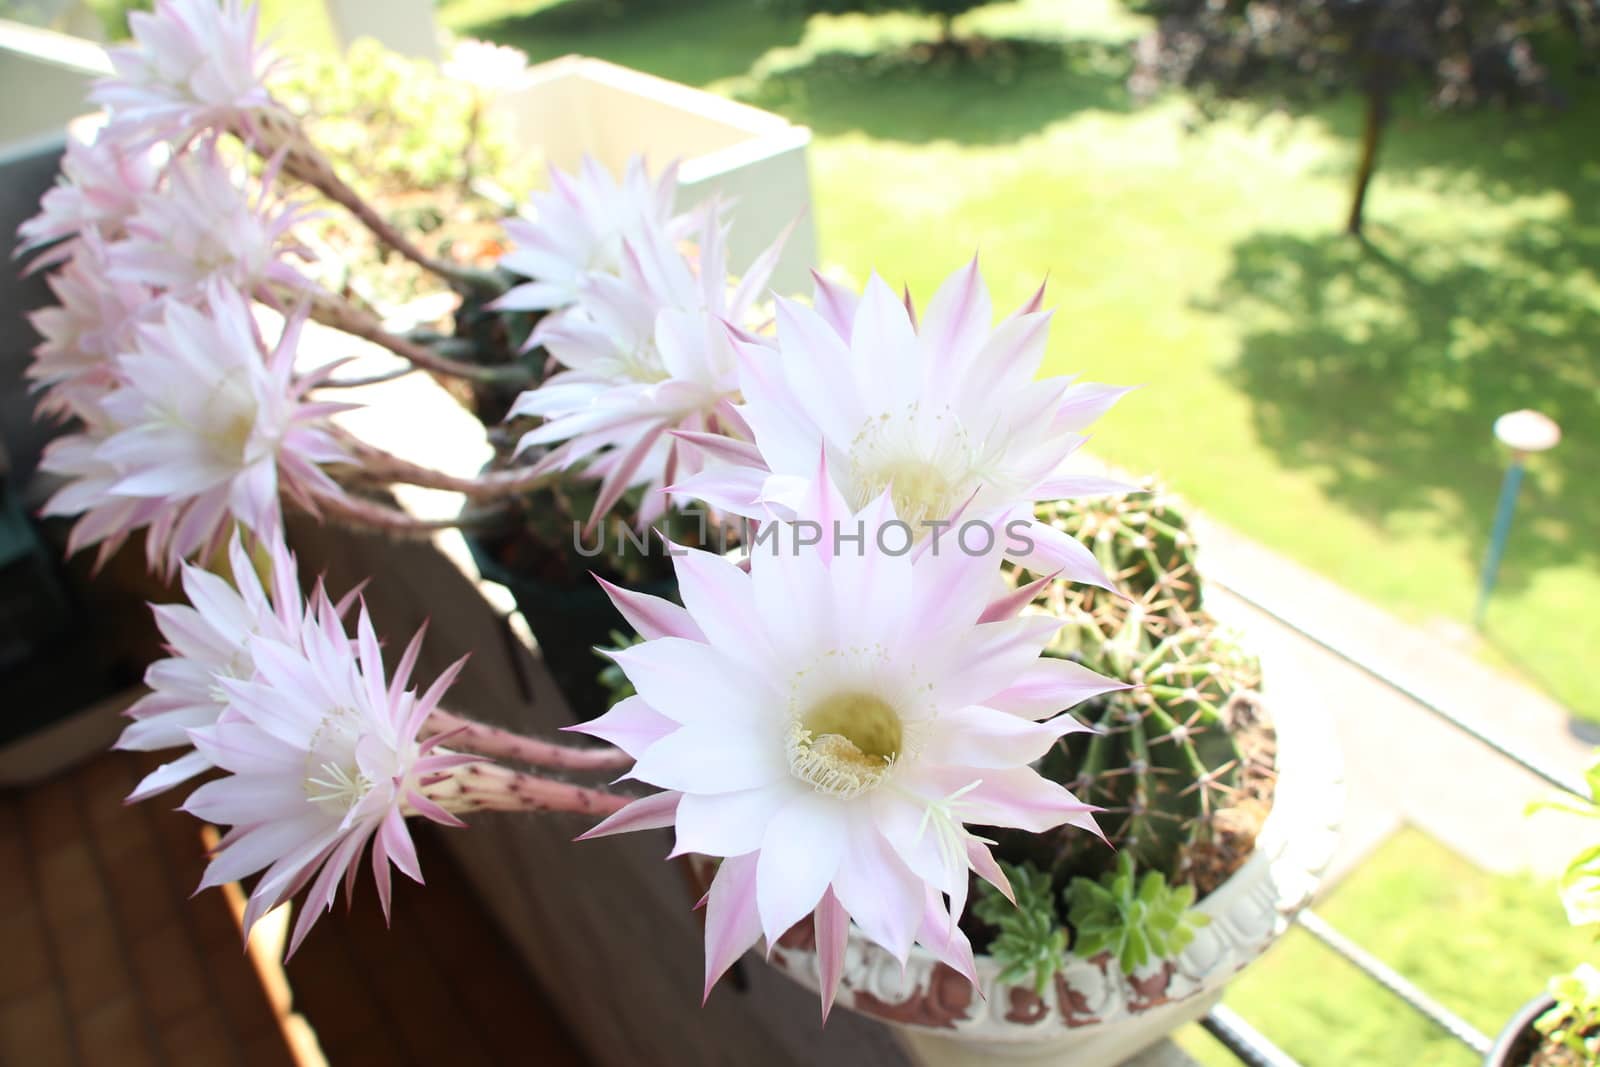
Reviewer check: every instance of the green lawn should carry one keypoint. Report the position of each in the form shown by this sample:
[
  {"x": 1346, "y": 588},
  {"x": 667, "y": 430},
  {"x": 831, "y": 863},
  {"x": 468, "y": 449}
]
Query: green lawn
[
  {"x": 1330, "y": 399},
  {"x": 1478, "y": 944},
  {"x": 296, "y": 25}
]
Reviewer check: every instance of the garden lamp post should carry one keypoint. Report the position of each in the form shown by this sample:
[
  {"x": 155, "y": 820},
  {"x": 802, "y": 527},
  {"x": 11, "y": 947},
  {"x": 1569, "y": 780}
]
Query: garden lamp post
[{"x": 1524, "y": 432}]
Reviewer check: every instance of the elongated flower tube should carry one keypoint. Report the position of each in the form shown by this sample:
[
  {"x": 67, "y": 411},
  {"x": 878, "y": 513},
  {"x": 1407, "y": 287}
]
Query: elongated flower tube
[
  {"x": 193, "y": 64},
  {"x": 203, "y": 226},
  {"x": 100, "y": 187},
  {"x": 203, "y": 428},
  {"x": 576, "y": 230},
  {"x": 831, "y": 721},
  {"x": 323, "y": 758},
  {"x": 646, "y": 353},
  {"x": 944, "y": 413},
  {"x": 208, "y": 642}
]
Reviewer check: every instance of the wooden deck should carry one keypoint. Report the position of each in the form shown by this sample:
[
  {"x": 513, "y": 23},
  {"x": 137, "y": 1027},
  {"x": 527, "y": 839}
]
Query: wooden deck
[{"x": 105, "y": 959}]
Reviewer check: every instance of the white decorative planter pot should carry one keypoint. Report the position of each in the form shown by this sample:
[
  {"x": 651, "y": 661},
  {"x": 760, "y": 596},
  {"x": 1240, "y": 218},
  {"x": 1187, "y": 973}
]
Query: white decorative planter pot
[
  {"x": 576, "y": 106},
  {"x": 1093, "y": 1015}
]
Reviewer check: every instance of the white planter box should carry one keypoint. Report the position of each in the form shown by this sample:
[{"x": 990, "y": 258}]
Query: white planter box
[
  {"x": 576, "y": 106},
  {"x": 44, "y": 81},
  {"x": 403, "y": 26},
  {"x": 1093, "y": 1016}
]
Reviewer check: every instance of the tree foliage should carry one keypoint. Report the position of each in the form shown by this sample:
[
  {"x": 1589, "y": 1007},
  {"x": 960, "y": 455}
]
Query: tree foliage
[
  {"x": 946, "y": 10},
  {"x": 1459, "y": 52},
  {"x": 929, "y": 7}
]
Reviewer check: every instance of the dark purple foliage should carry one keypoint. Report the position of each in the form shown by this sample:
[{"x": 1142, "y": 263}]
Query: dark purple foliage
[{"x": 1460, "y": 53}]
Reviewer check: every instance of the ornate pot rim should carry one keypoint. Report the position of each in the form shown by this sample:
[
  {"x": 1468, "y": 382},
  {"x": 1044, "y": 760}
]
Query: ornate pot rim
[{"x": 1248, "y": 912}]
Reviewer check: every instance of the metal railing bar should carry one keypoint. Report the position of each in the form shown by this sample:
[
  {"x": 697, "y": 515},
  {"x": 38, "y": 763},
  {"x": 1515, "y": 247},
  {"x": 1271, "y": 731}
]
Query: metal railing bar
[
  {"x": 1249, "y": 1045},
  {"x": 1395, "y": 983},
  {"x": 1557, "y": 778}
]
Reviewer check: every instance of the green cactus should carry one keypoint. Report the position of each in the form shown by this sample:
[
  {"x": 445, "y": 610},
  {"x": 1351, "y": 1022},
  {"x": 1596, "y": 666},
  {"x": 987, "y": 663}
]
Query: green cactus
[
  {"x": 1135, "y": 920},
  {"x": 1164, "y": 762},
  {"x": 1180, "y": 763},
  {"x": 1143, "y": 542}
]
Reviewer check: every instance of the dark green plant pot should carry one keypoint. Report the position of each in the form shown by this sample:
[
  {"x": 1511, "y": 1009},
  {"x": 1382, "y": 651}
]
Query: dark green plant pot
[
  {"x": 1518, "y": 1040},
  {"x": 569, "y": 621}
]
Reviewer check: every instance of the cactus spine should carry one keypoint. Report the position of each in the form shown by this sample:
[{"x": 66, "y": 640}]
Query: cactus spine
[{"x": 1165, "y": 762}]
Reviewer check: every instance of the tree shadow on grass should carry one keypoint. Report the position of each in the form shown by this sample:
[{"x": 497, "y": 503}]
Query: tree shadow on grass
[
  {"x": 1383, "y": 366},
  {"x": 992, "y": 91},
  {"x": 987, "y": 91},
  {"x": 694, "y": 43}
]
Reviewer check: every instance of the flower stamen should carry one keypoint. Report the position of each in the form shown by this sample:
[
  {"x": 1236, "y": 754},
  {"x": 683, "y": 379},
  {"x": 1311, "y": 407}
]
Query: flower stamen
[
  {"x": 890, "y": 453},
  {"x": 845, "y": 745},
  {"x": 333, "y": 777}
]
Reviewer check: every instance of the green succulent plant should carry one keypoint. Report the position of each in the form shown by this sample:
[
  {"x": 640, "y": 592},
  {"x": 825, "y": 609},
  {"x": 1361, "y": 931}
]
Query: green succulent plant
[
  {"x": 1580, "y": 882},
  {"x": 1136, "y": 920},
  {"x": 1031, "y": 943},
  {"x": 1573, "y": 1024}
]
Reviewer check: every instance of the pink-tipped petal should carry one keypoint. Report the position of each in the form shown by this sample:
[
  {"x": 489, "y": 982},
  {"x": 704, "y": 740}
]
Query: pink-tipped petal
[
  {"x": 835, "y": 303},
  {"x": 1054, "y": 552},
  {"x": 978, "y": 736},
  {"x": 649, "y": 813},
  {"x": 1049, "y": 685},
  {"x": 1080, "y": 486},
  {"x": 651, "y": 616},
  {"x": 985, "y": 866},
  {"x": 1085, "y": 403},
  {"x": 942, "y": 936},
  {"x": 632, "y": 725},
  {"x": 733, "y": 923},
  {"x": 724, "y": 449},
  {"x": 956, "y": 320},
  {"x": 833, "y": 935},
  {"x": 735, "y": 490},
  {"x": 1010, "y": 605}
]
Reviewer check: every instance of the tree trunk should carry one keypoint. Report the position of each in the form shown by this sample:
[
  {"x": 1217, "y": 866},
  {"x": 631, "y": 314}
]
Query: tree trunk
[
  {"x": 947, "y": 29},
  {"x": 1377, "y": 119}
]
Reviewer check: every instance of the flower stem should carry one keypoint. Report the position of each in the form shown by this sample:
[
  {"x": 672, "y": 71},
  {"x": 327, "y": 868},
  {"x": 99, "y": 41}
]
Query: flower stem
[
  {"x": 369, "y": 515},
  {"x": 387, "y": 467},
  {"x": 485, "y": 740},
  {"x": 334, "y": 312},
  {"x": 490, "y": 787},
  {"x": 371, "y": 379},
  {"x": 274, "y": 130}
]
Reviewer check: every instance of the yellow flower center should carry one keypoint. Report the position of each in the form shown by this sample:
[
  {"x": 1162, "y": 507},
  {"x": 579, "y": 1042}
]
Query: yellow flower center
[
  {"x": 232, "y": 438},
  {"x": 920, "y": 491},
  {"x": 924, "y": 460},
  {"x": 845, "y": 745},
  {"x": 229, "y": 421}
]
